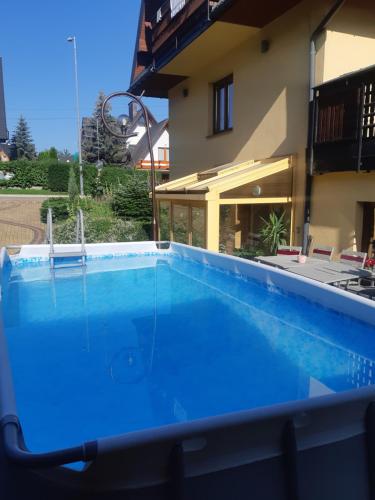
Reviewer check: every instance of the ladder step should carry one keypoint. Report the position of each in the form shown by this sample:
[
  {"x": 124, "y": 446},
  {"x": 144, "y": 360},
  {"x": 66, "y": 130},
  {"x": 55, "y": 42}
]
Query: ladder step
[
  {"x": 62, "y": 255},
  {"x": 66, "y": 266}
]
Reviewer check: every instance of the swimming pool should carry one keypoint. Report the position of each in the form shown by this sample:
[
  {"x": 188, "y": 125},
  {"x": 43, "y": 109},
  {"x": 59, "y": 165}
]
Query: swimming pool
[{"x": 145, "y": 341}]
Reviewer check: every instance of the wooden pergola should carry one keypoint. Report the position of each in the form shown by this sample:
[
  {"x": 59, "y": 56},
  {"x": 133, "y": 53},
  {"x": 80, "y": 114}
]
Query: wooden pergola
[{"x": 189, "y": 207}]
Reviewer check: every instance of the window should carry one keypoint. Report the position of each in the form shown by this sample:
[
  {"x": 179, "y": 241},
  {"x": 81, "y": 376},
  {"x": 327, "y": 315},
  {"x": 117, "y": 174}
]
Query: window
[
  {"x": 223, "y": 105},
  {"x": 163, "y": 154},
  {"x": 198, "y": 226},
  {"x": 180, "y": 223}
]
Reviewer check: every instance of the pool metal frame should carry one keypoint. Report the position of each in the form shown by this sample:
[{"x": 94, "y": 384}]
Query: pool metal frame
[{"x": 212, "y": 445}]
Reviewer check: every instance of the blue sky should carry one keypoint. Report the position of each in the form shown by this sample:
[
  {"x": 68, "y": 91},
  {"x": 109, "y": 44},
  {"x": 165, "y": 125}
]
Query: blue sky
[{"x": 38, "y": 62}]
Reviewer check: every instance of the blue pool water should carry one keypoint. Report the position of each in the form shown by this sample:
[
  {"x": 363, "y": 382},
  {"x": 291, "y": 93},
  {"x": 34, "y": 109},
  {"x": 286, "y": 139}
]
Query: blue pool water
[{"x": 139, "y": 342}]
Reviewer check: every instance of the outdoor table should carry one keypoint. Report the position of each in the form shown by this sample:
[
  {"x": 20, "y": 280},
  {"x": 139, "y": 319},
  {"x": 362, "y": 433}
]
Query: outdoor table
[
  {"x": 286, "y": 261},
  {"x": 325, "y": 271},
  {"x": 340, "y": 267},
  {"x": 325, "y": 274}
]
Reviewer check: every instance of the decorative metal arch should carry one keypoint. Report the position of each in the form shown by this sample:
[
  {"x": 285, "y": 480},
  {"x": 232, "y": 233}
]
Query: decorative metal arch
[{"x": 138, "y": 100}]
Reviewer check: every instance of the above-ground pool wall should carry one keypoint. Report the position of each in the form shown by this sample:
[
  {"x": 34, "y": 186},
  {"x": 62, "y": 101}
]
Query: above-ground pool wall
[
  {"x": 41, "y": 252},
  {"x": 321, "y": 448},
  {"x": 326, "y": 295}
]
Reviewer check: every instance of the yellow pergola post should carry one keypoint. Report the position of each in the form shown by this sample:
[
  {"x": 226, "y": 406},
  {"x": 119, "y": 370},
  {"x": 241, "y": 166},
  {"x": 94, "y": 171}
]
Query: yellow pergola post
[{"x": 213, "y": 225}]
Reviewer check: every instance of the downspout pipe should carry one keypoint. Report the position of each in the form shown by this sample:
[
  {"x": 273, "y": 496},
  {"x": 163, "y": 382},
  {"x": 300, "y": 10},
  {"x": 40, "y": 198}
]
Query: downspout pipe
[{"x": 310, "y": 140}]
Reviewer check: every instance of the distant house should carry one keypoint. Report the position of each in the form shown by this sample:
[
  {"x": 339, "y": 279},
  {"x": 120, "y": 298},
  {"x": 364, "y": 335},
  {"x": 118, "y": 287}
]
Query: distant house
[
  {"x": 4, "y": 134},
  {"x": 137, "y": 146}
]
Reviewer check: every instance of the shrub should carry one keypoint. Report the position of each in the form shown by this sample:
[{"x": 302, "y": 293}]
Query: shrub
[
  {"x": 60, "y": 209},
  {"x": 101, "y": 229},
  {"x": 90, "y": 174},
  {"x": 131, "y": 200},
  {"x": 248, "y": 253}
]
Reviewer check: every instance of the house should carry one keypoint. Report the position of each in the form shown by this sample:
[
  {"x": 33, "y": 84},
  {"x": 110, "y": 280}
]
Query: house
[
  {"x": 136, "y": 153},
  {"x": 271, "y": 109},
  {"x": 4, "y": 134},
  {"x": 138, "y": 145}
]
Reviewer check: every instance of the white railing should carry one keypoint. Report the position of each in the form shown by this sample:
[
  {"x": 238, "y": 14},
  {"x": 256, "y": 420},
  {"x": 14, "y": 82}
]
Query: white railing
[
  {"x": 80, "y": 238},
  {"x": 49, "y": 231}
]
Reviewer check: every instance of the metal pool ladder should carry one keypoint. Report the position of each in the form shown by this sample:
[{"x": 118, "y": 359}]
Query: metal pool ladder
[{"x": 80, "y": 238}]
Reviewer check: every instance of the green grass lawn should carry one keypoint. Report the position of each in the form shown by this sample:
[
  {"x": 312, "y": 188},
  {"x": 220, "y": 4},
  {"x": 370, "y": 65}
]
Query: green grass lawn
[{"x": 29, "y": 191}]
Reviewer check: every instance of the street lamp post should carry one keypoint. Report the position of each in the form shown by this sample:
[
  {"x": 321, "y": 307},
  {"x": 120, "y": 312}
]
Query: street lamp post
[
  {"x": 124, "y": 122},
  {"x": 72, "y": 39}
]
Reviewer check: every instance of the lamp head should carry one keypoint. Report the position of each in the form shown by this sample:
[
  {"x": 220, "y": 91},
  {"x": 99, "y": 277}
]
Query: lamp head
[
  {"x": 123, "y": 121},
  {"x": 70, "y": 39}
]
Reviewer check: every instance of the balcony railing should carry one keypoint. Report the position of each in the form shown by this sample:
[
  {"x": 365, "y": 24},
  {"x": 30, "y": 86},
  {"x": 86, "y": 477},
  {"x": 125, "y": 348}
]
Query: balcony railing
[
  {"x": 168, "y": 10},
  {"x": 344, "y": 124},
  {"x": 175, "y": 18}
]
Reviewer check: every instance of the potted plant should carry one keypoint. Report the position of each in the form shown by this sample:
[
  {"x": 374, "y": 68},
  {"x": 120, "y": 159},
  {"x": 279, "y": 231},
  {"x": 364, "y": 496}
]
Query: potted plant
[{"x": 274, "y": 231}]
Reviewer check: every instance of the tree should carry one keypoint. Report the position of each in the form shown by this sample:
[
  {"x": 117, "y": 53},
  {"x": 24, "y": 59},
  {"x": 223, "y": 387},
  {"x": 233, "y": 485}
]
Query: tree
[
  {"x": 22, "y": 143},
  {"x": 48, "y": 154},
  {"x": 131, "y": 200},
  {"x": 65, "y": 156},
  {"x": 97, "y": 142}
]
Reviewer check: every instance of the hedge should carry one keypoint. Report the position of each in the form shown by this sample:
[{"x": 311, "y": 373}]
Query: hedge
[
  {"x": 112, "y": 177},
  {"x": 49, "y": 174},
  {"x": 58, "y": 177},
  {"x": 54, "y": 175},
  {"x": 27, "y": 173}
]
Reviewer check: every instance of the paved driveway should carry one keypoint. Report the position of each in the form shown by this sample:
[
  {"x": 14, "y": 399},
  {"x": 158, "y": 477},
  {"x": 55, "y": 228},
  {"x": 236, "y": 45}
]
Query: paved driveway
[{"x": 20, "y": 220}]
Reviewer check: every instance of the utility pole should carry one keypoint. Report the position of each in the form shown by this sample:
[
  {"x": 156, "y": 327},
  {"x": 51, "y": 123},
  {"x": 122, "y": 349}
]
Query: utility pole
[{"x": 72, "y": 39}]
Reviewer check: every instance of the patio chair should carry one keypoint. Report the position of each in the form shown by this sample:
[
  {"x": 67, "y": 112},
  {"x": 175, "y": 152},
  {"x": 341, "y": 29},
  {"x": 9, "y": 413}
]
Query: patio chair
[
  {"x": 368, "y": 292},
  {"x": 322, "y": 252},
  {"x": 288, "y": 250},
  {"x": 353, "y": 259}
]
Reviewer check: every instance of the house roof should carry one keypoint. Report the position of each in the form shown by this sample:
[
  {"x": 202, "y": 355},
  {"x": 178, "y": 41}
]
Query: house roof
[
  {"x": 139, "y": 120},
  {"x": 140, "y": 150},
  {"x": 211, "y": 183},
  {"x": 3, "y": 123}
]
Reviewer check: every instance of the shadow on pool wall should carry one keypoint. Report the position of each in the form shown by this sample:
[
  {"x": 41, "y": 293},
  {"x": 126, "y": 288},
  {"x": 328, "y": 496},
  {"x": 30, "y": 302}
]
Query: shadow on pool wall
[{"x": 322, "y": 448}]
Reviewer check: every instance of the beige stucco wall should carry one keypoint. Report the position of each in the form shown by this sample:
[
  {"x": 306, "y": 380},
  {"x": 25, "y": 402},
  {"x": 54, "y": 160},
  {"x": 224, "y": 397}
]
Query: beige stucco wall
[
  {"x": 349, "y": 42},
  {"x": 336, "y": 208},
  {"x": 270, "y": 93},
  {"x": 270, "y": 103}
]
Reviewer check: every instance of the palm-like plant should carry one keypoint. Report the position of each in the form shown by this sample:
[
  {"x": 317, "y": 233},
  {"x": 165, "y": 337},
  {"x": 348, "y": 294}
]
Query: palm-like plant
[{"x": 274, "y": 231}]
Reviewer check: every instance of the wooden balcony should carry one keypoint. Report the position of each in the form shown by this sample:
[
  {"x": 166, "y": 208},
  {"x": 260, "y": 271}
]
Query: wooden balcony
[
  {"x": 344, "y": 124},
  {"x": 167, "y": 22}
]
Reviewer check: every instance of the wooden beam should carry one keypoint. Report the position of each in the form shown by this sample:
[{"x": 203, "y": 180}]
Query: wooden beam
[
  {"x": 255, "y": 201},
  {"x": 212, "y": 225},
  {"x": 180, "y": 197}
]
